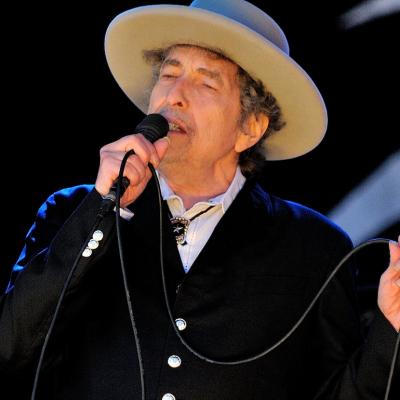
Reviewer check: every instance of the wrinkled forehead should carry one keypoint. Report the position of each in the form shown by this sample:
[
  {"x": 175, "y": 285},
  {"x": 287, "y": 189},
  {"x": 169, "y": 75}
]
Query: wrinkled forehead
[
  {"x": 178, "y": 54},
  {"x": 216, "y": 54}
]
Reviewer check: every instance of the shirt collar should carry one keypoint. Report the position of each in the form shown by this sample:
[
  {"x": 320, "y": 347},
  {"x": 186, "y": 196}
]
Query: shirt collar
[{"x": 225, "y": 199}]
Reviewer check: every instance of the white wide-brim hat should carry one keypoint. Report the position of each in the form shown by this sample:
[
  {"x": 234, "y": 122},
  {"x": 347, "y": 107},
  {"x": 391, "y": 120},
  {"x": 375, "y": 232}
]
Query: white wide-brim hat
[{"x": 246, "y": 35}]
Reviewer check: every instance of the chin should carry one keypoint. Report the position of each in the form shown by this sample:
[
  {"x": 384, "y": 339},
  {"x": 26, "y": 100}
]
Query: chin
[{"x": 174, "y": 159}]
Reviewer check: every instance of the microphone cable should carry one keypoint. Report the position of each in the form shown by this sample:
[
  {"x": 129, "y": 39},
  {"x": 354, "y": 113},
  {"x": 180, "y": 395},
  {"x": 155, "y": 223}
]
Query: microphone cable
[
  {"x": 152, "y": 127},
  {"x": 295, "y": 326},
  {"x": 123, "y": 271},
  {"x": 104, "y": 210},
  {"x": 99, "y": 217}
]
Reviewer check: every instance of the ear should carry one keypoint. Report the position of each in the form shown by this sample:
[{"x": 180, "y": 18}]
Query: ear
[{"x": 251, "y": 132}]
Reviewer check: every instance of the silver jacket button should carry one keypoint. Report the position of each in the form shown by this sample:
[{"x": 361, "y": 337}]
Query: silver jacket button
[
  {"x": 93, "y": 244},
  {"x": 87, "y": 252},
  {"x": 168, "y": 396},
  {"x": 174, "y": 361},
  {"x": 181, "y": 324},
  {"x": 98, "y": 235}
]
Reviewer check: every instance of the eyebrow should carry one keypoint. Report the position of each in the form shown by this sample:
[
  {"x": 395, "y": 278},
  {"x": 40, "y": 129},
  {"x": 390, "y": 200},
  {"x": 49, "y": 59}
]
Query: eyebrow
[{"x": 215, "y": 75}]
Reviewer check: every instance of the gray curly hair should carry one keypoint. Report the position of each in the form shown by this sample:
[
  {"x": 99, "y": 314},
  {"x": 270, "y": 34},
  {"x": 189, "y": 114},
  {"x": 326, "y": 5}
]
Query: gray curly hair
[{"x": 254, "y": 98}]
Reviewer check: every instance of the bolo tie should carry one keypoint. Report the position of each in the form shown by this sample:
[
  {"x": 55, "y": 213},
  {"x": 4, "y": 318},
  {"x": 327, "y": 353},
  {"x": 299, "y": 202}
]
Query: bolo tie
[{"x": 180, "y": 225}]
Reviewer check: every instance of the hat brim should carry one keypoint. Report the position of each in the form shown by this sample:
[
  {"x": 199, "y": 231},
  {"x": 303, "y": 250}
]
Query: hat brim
[{"x": 151, "y": 27}]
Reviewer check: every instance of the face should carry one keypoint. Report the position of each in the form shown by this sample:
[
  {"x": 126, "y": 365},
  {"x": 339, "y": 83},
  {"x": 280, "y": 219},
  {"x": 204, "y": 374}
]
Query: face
[{"x": 200, "y": 94}]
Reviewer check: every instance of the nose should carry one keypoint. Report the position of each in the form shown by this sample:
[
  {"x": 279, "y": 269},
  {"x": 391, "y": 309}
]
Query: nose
[{"x": 176, "y": 95}]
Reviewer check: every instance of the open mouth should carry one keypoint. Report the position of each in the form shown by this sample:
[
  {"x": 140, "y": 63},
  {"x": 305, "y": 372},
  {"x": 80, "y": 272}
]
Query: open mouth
[{"x": 173, "y": 127}]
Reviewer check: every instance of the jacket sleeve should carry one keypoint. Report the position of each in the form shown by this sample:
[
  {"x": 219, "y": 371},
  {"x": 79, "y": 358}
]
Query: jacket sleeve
[
  {"x": 64, "y": 225},
  {"x": 361, "y": 365}
]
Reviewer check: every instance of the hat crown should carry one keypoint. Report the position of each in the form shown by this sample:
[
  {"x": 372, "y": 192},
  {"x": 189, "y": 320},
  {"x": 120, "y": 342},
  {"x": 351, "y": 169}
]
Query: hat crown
[
  {"x": 249, "y": 15},
  {"x": 244, "y": 33}
]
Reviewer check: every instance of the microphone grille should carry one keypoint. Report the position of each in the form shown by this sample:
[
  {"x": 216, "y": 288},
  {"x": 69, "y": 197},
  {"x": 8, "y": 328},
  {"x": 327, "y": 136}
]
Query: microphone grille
[{"x": 153, "y": 127}]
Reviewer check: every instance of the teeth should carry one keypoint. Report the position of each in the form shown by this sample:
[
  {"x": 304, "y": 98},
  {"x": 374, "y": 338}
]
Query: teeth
[{"x": 173, "y": 127}]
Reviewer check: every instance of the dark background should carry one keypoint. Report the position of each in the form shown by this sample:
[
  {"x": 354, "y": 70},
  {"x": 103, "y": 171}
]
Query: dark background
[{"x": 62, "y": 104}]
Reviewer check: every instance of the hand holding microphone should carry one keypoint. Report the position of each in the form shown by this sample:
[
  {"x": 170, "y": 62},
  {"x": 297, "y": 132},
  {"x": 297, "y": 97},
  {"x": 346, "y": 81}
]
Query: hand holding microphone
[{"x": 149, "y": 143}]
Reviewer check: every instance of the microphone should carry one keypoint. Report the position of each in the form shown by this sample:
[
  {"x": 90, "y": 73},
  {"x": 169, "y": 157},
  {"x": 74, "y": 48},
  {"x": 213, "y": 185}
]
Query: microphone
[{"x": 153, "y": 127}]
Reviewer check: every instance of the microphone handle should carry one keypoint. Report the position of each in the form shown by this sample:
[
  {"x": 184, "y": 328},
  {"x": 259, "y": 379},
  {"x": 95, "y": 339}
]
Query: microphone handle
[
  {"x": 153, "y": 127},
  {"x": 112, "y": 194}
]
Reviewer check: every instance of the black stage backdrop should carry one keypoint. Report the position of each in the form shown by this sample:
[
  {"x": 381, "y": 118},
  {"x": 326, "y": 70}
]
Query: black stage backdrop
[{"x": 62, "y": 104}]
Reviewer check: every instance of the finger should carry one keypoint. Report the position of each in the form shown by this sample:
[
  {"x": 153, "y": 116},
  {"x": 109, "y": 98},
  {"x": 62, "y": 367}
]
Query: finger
[
  {"x": 110, "y": 162},
  {"x": 109, "y": 154},
  {"x": 392, "y": 273},
  {"x": 135, "y": 162},
  {"x": 153, "y": 158},
  {"x": 394, "y": 249},
  {"x": 132, "y": 192},
  {"x": 118, "y": 145},
  {"x": 109, "y": 170},
  {"x": 142, "y": 148},
  {"x": 161, "y": 146},
  {"x": 396, "y": 267},
  {"x": 137, "y": 143}
]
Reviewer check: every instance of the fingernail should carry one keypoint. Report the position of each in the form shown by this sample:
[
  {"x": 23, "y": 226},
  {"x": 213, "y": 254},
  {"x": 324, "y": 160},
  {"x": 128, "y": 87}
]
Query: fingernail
[{"x": 167, "y": 139}]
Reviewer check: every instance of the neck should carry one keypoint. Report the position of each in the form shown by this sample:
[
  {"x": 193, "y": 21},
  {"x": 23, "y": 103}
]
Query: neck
[{"x": 194, "y": 185}]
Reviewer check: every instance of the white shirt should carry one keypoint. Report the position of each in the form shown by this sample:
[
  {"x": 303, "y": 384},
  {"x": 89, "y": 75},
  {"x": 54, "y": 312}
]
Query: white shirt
[{"x": 201, "y": 228}]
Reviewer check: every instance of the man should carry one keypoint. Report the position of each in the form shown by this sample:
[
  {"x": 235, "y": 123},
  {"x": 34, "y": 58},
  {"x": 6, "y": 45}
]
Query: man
[{"x": 246, "y": 266}]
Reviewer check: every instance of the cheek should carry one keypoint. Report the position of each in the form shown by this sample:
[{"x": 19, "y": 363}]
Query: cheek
[
  {"x": 217, "y": 129},
  {"x": 155, "y": 98},
  {"x": 215, "y": 108},
  {"x": 224, "y": 116}
]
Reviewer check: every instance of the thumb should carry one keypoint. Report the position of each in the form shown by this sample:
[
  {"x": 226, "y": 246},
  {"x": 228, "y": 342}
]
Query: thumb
[
  {"x": 161, "y": 146},
  {"x": 394, "y": 249}
]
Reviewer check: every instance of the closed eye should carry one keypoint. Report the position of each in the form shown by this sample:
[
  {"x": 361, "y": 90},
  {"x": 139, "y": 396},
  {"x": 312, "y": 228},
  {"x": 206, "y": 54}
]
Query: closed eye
[
  {"x": 208, "y": 86},
  {"x": 168, "y": 76}
]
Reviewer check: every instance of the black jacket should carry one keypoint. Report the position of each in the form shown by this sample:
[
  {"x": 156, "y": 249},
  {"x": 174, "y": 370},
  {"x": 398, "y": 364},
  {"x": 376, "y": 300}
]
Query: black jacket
[{"x": 263, "y": 264}]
